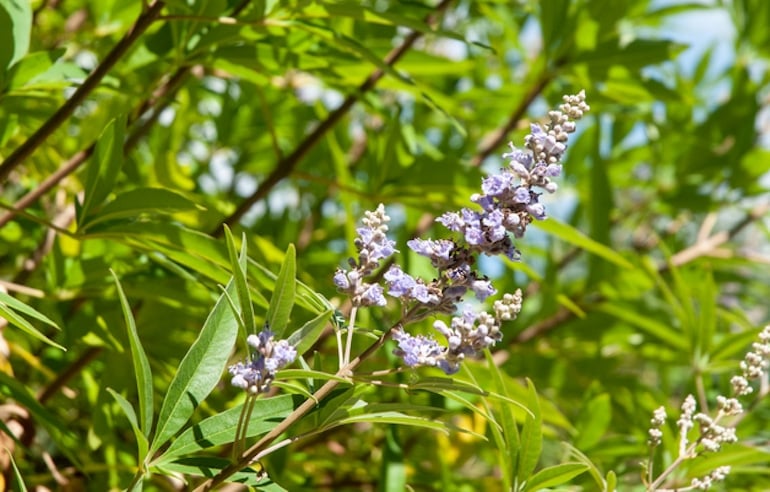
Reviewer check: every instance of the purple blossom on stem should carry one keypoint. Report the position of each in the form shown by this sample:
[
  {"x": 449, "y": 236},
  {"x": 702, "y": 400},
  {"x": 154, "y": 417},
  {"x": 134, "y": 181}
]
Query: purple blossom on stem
[
  {"x": 373, "y": 246},
  {"x": 467, "y": 335},
  {"x": 267, "y": 357},
  {"x": 507, "y": 204}
]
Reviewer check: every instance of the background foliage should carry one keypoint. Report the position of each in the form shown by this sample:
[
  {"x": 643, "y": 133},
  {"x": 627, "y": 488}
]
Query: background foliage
[{"x": 131, "y": 133}]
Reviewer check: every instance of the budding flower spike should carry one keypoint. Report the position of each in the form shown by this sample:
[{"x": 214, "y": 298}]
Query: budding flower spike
[
  {"x": 508, "y": 203},
  {"x": 712, "y": 431}
]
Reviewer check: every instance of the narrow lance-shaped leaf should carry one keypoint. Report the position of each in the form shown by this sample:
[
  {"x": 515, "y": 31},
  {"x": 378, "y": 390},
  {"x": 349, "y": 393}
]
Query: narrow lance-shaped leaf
[
  {"x": 304, "y": 338},
  {"x": 283, "y": 296},
  {"x": 238, "y": 264},
  {"x": 220, "y": 428},
  {"x": 104, "y": 167},
  {"x": 16, "y": 473},
  {"x": 142, "y": 371},
  {"x": 531, "y": 435},
  {"x": 593, "y": 421},
  {"x": 142, "y": 200},
  {"x": 507, "y": 438},
  {"x": 142, "y": 443},
  {"x": 15, "y": 29},
  {"x": 199, "y": 370},
  {"x": 555, "y": 475},
  {"x": 8, "y": 308}
]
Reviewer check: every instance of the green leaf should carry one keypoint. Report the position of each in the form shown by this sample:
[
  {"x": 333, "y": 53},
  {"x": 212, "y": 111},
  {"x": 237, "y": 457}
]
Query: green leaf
[
  {"x": 16, "y": 474},
  {"x": 15, "y": 30},
  {"x": 63, "y": 436},
  {"x": 17, "y": 305},
  {"x": 199, "y": 372},
  {"x": 32, "y": 66},
  {"x": 593, "y": 421},
  {"x": 393, "y": 469},
  {"x": 531, "y": 435},
  {"x": 139, "y": 201},
  {"x": 141, "y": 439},
  {"x": 142, "y": 371},
  {"x": 398, "y": 418},
  {"x": 612, "y": 482},
  {"x": 208, "y": 466},
  {"x": 238, "y": 264},
  {"x": 632, "y": 56},
  {"x": 8, "y": 306},
  {"x": 104, "y": 167},
  {"x": 220, "y": 428},
  {"x": 659, "y": 330},
  {"x": 507, "y": 438},
  {"x": 283, "y": 295},
  {"x": 590, "y": 466},
  {"x": 304, "y": 338},
  {"x": 573, "y": 236},
  {"x": 555, "y": 475},
  {"x": 202, "y": 253}
]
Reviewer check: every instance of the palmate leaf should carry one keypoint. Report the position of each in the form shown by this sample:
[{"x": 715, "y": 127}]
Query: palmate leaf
[
  {"x": 305, "y": 336},
  {"x": 199, "y": 371},
  {"x": 143, "y": 444},
  {"x": 506, "y": 432}
]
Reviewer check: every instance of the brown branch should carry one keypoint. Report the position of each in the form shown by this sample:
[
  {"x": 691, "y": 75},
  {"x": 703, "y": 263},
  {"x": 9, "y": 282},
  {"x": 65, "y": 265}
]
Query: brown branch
[
  {"x": 500, "y": 134},
  {"x": 158, "y": 100},
  {"x": 685, "y": 256},
  {"x": 89, "y": 85},
  {"x": 163, "y": 93},
  {"x": 286, "y": 165}
]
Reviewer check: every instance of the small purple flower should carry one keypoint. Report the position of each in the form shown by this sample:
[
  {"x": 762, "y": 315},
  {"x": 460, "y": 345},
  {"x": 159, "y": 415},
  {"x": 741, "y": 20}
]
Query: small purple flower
[
  {"x": 341, "y": 280},
  {"x": 452, "y": 221},
  {"x": 417, "y": 350},
  {"x": 422, "y": 293},
  {"x": 400, "y": 284},
  {"x": 536, "y": 210},
  {"x": 497, "y": 184},
  {"x": 440, "y": 249},
  {"x": 521, "y": 195},
  {"x": 553, "y": 170},
  {"x": 493, "y": 222},
  {"x": 372, "y": 295},
  {"x": 483, "y": 289},
  {"x": 268, "y": 356}
]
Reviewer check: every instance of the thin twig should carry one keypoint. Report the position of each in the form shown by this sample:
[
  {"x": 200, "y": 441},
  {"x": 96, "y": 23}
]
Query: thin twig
[
  {"x": 286, "y": 165},
  {"x": 89, "y": 85},
  {"x": 686, "y": 256}
]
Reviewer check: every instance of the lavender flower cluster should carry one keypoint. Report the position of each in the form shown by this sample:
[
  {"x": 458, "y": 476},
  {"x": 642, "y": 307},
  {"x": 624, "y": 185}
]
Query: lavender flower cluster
[
  {"x": 508, "y": 204},
  {"x": 267, "y": 357}
]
